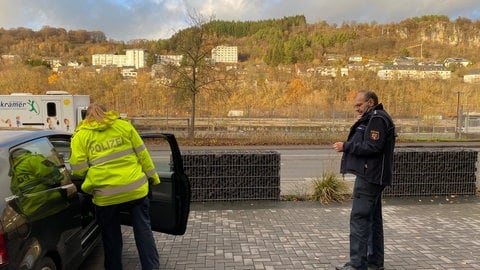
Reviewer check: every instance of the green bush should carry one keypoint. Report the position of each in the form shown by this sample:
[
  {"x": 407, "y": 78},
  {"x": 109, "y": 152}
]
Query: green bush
[{"x": 330, "y": 188}]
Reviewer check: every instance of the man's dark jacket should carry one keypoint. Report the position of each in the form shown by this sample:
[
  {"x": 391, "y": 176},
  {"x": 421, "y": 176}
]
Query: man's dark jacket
[{"x": 368, "y": 152}]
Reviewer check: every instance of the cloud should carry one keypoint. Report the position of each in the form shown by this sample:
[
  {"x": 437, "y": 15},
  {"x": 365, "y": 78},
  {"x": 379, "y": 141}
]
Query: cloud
[{"x": 155, "y": 19}]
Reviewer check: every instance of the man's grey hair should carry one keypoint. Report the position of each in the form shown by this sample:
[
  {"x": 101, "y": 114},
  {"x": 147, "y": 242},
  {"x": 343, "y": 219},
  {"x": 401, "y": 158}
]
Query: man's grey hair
[{"x": 370, "y": 95}]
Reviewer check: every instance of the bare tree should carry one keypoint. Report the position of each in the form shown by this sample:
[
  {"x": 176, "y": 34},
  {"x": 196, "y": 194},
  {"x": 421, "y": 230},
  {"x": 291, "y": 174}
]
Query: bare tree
[{"x": 196, "y": 72}]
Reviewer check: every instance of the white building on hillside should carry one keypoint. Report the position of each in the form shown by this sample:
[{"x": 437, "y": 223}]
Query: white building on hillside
[
  {"x": 135, "y": 58},
  {"x": 106, "y": 60},
  {"x": 132, "y": 57},
  {"x": 169, "y": 59},
  {"x": 402, "y": 72},
  {"x": 456, "y": 61},
  {"x": 225, "y": 54},
  {"x": 473, "y": 76}
]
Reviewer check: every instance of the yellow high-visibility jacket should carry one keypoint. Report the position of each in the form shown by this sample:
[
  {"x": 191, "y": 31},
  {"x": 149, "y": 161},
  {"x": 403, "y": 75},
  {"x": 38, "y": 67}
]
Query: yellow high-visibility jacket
[
  {"x": 113, "y": 159},
  {"x": 32, "y": 176}
]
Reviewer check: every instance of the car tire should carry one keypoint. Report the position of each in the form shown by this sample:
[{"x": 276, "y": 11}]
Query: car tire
[{"x": 47, "y": 264}]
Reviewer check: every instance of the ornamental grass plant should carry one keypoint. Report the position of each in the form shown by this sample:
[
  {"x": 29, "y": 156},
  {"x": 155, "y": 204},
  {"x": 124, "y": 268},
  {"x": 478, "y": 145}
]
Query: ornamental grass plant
[{"x": 330, "y": 188}]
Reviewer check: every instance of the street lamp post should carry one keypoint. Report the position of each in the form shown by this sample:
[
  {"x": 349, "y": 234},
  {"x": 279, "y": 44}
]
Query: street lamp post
[{"x": 457, "y": 128}]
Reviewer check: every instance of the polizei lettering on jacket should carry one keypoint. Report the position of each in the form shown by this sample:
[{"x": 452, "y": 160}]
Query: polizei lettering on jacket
[{"x": 106, "y": 145}]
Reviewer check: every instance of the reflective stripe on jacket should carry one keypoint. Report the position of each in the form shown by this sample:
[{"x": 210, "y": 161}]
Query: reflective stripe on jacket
[{"x": 113, "y": 159}]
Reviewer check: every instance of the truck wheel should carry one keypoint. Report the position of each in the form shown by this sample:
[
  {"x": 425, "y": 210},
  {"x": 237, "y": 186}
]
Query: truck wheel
[{"x": 47, "y": 264}]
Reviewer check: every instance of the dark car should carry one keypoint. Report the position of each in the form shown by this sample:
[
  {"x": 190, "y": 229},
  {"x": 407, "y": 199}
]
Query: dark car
[{"x": 46, "y": 222}]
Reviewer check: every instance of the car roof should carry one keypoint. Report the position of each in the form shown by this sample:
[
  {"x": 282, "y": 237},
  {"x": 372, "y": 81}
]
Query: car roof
[{"x": 13, "y": 136}]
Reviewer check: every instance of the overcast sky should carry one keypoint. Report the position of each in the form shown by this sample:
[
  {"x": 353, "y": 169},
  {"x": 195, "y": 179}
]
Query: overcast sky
[{"x": 159, "y": 19}]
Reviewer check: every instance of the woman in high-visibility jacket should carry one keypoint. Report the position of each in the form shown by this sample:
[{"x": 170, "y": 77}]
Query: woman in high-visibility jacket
[{"x": 118, "y": 169}]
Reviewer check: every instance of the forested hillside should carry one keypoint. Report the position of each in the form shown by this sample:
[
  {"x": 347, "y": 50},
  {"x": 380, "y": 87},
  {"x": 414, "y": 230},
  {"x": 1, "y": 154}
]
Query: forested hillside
[{"x": 271, "y": 78}]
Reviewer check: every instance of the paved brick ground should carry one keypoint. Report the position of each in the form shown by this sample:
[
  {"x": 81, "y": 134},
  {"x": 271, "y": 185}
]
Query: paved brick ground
[{"x": 420, "y": 233}]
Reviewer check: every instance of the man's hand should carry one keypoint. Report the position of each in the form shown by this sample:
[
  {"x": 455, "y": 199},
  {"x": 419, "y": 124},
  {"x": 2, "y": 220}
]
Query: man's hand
[
  {"x": 338, "y": 146},
  {"x": 358, "y": 117}
]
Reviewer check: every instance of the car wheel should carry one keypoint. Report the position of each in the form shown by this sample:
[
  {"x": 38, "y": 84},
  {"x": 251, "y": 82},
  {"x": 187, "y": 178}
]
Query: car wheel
[{"x": 47, "y": 264}]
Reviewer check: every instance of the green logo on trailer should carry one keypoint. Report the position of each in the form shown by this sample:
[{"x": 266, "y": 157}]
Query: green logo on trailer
[{"x": 33, "y": 106}]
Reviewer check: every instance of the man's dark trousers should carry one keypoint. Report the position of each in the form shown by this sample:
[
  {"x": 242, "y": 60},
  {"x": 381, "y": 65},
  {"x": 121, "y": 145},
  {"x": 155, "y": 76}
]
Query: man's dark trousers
[{"x": 366, "y": 225}]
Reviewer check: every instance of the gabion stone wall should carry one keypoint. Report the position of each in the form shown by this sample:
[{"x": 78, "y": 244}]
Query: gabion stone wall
[
  {"x": 433, "y": 171},
  {"x": 233, "y": 175}
]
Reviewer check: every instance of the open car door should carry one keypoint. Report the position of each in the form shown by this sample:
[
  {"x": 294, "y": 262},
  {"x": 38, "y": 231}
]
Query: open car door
[{"x": 170, "y": 201}]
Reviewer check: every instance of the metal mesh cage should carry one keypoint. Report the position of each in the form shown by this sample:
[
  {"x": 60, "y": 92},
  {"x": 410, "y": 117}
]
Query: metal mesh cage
[
  {"x": 233, "y": 175},
  {"x": 433, "y": 171}
]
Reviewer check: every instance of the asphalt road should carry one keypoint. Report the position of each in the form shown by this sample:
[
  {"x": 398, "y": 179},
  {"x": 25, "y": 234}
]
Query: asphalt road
[{"x": 301, "y": 164}]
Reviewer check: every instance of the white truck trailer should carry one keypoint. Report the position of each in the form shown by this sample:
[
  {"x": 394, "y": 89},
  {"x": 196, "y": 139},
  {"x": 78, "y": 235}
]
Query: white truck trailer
[{"x": 54, "y": 110}]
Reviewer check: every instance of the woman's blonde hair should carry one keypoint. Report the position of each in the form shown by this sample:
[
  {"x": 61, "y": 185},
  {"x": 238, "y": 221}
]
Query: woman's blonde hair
[{"x": 96, "y": 112}]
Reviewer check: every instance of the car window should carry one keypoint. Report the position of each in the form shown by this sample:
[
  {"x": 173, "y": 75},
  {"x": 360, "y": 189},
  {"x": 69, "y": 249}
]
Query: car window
[
  {"x": 39, "y": 182},
  {"x": 160, "y": 152},
  {"x": 62, "y": 147}
]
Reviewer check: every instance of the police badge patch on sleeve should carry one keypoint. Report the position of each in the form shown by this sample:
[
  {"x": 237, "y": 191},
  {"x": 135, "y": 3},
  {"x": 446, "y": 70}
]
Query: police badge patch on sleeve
[{"x": 374, "y": 135}]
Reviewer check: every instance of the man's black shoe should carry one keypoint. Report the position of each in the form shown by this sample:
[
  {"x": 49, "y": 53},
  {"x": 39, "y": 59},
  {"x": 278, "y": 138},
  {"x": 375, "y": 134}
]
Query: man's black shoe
[
  {"x": 375, "y": 267},
  {"x": 346, "y": 266}
]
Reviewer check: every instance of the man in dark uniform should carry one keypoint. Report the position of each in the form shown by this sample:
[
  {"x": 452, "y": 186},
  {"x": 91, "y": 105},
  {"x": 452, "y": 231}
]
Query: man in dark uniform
[{"x": 368, "y": 154}]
